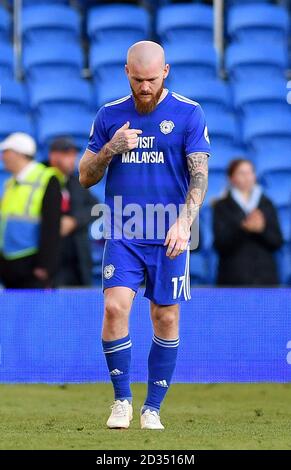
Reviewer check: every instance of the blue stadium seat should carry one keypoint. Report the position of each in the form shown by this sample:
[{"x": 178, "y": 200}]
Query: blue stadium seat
[
  {"x": 216, "y": 186},
  {"x": 223, "y": 131},
  {"x": 106, "y": 61},
  {"x": 108, "y": 90},
  {"x": 257, "y": 62},
  {"x": 64, "y": 124},
  {"x": 252, "y": 23},
  {"x": 213, "y": 94},
  {"x": 284, "y": 214},
  {"x": 212, "y": 260},
  {"x": 48, "y": 97},
  {"x": 5, "y": 25},
  {"x": 283, "y": 257},
  {"x": 6, "y": 62},
  {"x": 267, "y": 161},
  {"x": 247, "y": 2},
  {"x": 277, "y": 187},
  {"x": 198, "y": 268},
  {"x": 260, "y": 97},
  {"x": 13, "y": 96},
  {"x": 192, "y": 61},
  {"x": 268, "y": 133},
  {"x": 58, "y": 61},
  {"x": 45, "y": 2},
  {"x": 14, "y": 122},
  {"x": 221, "y": 155},
  {"x": 206, "y": 229},
  {"x": 50, "y": 23},
  {"x": 185, "y": 23},
  {"x": 116, "y": 23},
  {"x": 98, "y": 190}
]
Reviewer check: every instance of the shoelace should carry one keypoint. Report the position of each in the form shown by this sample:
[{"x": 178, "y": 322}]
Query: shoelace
[{"x": 119, "y": 409}]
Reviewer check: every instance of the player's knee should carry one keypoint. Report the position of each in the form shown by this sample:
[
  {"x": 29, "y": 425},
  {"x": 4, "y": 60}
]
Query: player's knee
[
  {"x": 115, "y": 311},
  {"x": 166, "y": 320}
]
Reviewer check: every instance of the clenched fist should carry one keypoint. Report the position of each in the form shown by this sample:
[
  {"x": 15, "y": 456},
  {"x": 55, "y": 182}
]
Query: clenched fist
[{"x": 124, "y": 139}]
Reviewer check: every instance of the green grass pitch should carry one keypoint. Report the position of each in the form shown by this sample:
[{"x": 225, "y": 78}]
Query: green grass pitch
[{"x": 208, "y": 416}]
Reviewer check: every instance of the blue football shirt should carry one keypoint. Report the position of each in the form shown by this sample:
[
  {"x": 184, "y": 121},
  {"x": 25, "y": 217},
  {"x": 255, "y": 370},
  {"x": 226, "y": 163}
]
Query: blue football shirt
[{"x": 155, "y": 173}]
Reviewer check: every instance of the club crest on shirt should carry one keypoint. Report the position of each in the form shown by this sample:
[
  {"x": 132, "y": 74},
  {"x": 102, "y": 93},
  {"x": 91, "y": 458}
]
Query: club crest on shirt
[
  {"x": 108, "y": 271},
  {"x": 166, "y": 127}
]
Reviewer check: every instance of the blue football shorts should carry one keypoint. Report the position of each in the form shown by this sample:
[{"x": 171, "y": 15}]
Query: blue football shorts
[{"x": 129, "y": 264}]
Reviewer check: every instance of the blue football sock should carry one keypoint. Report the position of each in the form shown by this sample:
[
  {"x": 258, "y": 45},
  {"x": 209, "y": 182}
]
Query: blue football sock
[
  {"x": 161, "y": 365},
  {"x": 118, "y": 357}
]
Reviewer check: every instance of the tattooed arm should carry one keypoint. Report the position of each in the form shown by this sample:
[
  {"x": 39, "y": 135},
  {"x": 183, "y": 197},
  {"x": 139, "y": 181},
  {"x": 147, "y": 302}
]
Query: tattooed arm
[
  {"x": 179, "y": 234},
  {"x": 93, "y": 165},
  {"x": 198, "y": 170}
]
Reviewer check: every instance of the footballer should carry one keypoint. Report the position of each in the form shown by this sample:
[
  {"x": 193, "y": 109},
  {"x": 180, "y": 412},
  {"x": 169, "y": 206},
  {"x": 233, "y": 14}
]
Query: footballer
[{"x": 154, "y": 146}]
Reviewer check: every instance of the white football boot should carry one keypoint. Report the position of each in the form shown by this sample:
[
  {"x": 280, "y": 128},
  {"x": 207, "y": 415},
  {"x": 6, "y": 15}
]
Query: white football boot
[
  {"x": 121, "y": 415},
  {"x": 150, "y": 420}
]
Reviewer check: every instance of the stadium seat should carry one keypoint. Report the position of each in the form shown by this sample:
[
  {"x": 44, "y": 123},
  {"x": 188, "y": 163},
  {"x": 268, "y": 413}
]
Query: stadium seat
[
  {"x": 64, "y": 124},
  {"x": 5, "y": 23},
  {"x": 108, "y": 90},
  {"x": 98, "y": 190},
  {"x": 191, "y": 62},
  {"x": 217, "y": 185},
  {"x": 185, "y": 23},
  {"x": 213, "y": 94},
  {"x": 206, "y": 229},
  {"x": 253, "y": 23},
  {"x": 114, "y": 23},
  {"x": 13, "y": 96},
  {"x": 14, "y": 122},
  {"x": 106, "y": 61},
  {"x": 58, "y": 61},
  {"x": 284, "y": 214},
  {"x": 260, "y": 97},
  {"x": 6, "y": 62},
  {"x": 50, "y": 23},
  {"x": 222, "y": 131},
  {"x": 257, "y": 62},
  {"x": 198, "y": 268},
  {"x": 283, "y": 257},
  {"x": 48, "y": 97},
  {"x": 277, "y": 187},
  {"x": 268, "y": 133},
  {"x": 267, "y": 161},
  {"x": 221, "y": 155},
  {"x": 45, "y": 2}
]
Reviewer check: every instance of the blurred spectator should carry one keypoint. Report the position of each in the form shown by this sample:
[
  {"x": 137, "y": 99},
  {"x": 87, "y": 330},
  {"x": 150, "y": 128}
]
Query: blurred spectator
[
  {"x": 29, "y": 217},
  {"x": 246, "y": 231},
  {"x": 75, "y": 268}
]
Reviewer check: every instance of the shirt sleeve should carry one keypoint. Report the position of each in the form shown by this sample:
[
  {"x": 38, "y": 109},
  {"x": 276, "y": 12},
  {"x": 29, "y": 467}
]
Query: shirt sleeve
[
  {"x": 196, "y": 137},
  {"x": 98, "y": 135}
]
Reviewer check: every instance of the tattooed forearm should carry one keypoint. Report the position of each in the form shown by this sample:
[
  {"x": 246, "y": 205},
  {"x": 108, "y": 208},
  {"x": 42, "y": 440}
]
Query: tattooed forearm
[
  {"x": 93, "y": 166},
  {"x": 198, "y": 170}
]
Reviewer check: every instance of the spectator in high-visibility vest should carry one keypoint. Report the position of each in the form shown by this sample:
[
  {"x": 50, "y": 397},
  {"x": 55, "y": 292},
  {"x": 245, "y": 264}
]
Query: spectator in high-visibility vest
[{"x": 29, "y": 217}]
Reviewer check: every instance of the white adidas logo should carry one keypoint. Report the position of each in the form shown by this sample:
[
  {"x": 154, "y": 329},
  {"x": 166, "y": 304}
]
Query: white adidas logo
[
  {"x": 116, "y": 372},
  {"x": 161, "y": 383}
]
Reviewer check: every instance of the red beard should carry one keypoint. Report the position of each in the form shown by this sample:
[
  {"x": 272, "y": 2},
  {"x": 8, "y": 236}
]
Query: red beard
[{"x": 147, "y": 107}]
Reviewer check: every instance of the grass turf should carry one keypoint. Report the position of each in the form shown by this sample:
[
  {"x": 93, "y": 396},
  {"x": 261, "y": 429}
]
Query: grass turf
[{"x": 213, "y": 416}]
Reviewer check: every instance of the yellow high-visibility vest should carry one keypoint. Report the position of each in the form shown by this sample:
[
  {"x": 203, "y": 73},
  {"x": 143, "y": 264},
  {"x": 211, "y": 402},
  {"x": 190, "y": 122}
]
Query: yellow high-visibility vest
[{"x": 20, "y": 212}]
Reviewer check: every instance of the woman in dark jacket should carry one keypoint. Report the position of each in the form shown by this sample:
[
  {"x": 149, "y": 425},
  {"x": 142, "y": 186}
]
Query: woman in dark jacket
[{"x": 246, "y": 231}]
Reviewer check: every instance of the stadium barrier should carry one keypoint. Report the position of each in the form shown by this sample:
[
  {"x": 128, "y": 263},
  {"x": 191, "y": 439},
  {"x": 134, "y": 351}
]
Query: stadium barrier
[{"x": 227, "y": 335}]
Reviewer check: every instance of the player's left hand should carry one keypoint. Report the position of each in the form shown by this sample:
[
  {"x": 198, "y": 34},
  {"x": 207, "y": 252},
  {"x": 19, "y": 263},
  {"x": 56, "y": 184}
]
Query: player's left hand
[{"x": 177, "y": 238}]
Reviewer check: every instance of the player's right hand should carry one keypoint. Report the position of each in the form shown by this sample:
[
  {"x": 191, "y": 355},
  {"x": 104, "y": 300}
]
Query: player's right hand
[{"x": 124, "y": 139}]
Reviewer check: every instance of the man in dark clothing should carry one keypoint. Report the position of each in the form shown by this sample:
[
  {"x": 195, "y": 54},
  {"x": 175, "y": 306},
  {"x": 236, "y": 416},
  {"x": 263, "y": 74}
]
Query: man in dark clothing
[
  {"x": 246, "y": 231},
  {"x": 29, "y": 217},
  {"x": 75, "y": 268}
]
